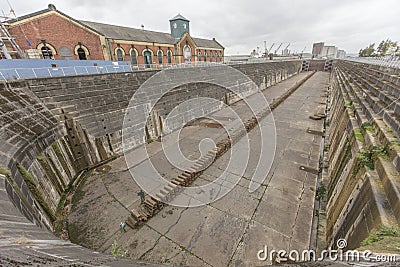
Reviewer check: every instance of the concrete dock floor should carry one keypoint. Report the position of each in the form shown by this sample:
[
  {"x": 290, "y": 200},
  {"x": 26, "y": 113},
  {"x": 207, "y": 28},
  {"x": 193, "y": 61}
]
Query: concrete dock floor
[{"x": 230, "y": 231}]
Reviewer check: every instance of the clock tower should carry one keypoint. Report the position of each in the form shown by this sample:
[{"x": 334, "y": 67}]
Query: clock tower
[{"x": 179, "y": 25}]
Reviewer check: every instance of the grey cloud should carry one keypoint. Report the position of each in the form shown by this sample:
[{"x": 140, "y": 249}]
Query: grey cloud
[{"x": 243, "y": 25}]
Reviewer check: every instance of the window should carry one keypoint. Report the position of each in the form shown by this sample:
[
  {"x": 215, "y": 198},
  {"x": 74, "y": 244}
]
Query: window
[
  {"x": 215, "y": 57},
  {"x": 187, "y": 54},
  {"x": 199, "y": 56},
  {"x": 134, "y": 57},
  {"x": 211, "y": 56},
  {"x": 169, "y": 55},
  {"x": 159, "y": 56},
  {"x": 81, "y": 51},
  {"x": 81, "y": 54},
  {"x": 46, "y": 52},
  {"x": 205, "y": 56},
  {"x": 120, "y": 54},
  {"x": 148, "y": 58}
]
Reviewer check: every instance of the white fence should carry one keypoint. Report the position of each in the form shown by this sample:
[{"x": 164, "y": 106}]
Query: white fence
[
  {"x": 29, "y": 73},
  {"x": 391, "y": 62}
]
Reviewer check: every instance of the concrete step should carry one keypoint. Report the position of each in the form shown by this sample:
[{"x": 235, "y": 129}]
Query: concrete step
[{"x": 390, "y": 180}]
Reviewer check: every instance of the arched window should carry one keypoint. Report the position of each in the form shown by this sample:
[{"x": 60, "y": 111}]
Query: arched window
[
  {"x": 148, "y": 58},
  {"x": 81, "y": 53},
  {"x": 211, "y": 56},
  {"x": 187, "y": 54},
  {"x": 160, "y": 56},
  {"x": 215, "y": 56},
  {"x": 46, "y": 50},
  {"x": 199, "y": 56},
  {"x": 120, "y": 54},
  {"x": 205, "y": 56},
  {"x": 169, "y": 56},
  {"x": 134, "y": 56}
]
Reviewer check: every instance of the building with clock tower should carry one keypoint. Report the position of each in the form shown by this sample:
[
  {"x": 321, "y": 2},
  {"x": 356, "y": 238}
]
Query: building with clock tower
[
  {"x": 51, "y": 33},
  {"x": 179, "y": 25}
]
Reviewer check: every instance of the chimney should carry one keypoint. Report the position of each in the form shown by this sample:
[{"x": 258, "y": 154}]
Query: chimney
[{"x": 52, "y": 7}]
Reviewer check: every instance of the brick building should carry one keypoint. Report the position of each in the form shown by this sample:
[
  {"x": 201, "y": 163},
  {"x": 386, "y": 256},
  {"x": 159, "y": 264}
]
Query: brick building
[{"x": 53, "y": 34}]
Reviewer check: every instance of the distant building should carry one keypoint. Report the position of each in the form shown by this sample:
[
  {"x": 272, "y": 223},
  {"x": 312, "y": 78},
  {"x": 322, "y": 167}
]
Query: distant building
[
  {"x": 341, "y": 54},
  {"x": 54, "y": 34},
  {"x": 329, "y": 51},
  {"x": 320, "y": 50},
  {"x": 317, "y": 49}
]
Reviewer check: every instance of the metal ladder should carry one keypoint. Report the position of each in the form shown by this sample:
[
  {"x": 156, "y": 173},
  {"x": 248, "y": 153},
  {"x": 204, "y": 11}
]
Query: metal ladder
[{"x": 5, "y": 35}]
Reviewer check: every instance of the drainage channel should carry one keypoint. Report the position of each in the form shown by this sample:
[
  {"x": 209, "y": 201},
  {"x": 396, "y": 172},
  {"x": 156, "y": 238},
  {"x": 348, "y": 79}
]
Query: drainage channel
[{"x": 319, "y": 186}]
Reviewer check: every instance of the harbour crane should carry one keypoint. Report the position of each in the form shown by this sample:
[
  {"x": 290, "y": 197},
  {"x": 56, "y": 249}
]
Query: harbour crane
[
  {"x": 301, "y": 54},
  {"x": 270, "y": 48},
  {"x": 278, "y": 48},
  {"x": 283, "y": 51}
]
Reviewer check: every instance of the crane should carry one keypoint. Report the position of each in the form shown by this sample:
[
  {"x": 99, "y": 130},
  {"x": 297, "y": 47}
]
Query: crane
[
  {"x": 278, "y": 48},
  {"x": 283, "y": 51},
  {"x": 270, "y": 47},
  {"x": 301, "y": 54}
]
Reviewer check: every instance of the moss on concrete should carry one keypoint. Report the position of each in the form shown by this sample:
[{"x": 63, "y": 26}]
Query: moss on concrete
[
  {"x": 49, "y": 172},
  {"x": 5, "y": 171},
  {"x": 30, "y": 182},
  {"x": 385, "y": 239},
  {"x": 60, "y": 157},
  {"x": 359, "y": 134}
]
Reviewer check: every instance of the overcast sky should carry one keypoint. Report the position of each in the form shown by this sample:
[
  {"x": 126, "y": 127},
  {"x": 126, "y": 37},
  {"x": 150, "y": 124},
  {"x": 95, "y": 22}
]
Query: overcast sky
[{"x": 244, "y": 25}]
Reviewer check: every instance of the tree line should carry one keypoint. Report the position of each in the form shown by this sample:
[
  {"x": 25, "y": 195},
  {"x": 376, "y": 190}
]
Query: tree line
[{"x": 385, "y": 48}]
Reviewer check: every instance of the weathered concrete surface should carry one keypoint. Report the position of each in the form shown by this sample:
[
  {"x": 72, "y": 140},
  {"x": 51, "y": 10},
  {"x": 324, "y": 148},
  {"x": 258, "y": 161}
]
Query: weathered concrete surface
[
  {"x": 231, "y": 230},
  {"x": 52, "y": 129},
  {"x": 363, "y": 174},
  {"x": 24, "y": 244}
]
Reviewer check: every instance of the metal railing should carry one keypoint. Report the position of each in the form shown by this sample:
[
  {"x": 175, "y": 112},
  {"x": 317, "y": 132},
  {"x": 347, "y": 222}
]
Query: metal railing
[
  {"x": 26, "y": 73},
  {"x": 388, "y": 61}
]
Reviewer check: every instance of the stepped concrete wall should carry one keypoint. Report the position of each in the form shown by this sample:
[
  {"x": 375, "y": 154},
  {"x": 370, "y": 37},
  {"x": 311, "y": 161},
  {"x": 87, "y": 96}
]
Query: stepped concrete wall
[{"x": 363, "y": 157}]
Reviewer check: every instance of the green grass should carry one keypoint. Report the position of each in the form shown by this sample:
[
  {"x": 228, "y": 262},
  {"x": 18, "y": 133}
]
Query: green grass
[
  {"x": 367, "y": 126},
  {"x": 116, "y": 250},
  {"x": 381, "y": 233},
  {"x": 348, "y": 104},
  {"x": 359, "y": 135}
]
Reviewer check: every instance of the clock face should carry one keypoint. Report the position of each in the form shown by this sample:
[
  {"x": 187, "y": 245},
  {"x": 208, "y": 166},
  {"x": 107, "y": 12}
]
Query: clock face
[{"x": 175, "y": 25}]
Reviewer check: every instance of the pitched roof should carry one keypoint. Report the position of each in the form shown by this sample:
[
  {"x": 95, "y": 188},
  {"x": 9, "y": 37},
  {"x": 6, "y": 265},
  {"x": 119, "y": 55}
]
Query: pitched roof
[
  {"x": 207, "y": 43},
  {"x": 127, "y": 33},
  {"x": 179, "y": 16},
  {"x": 28, "y": 15}
]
